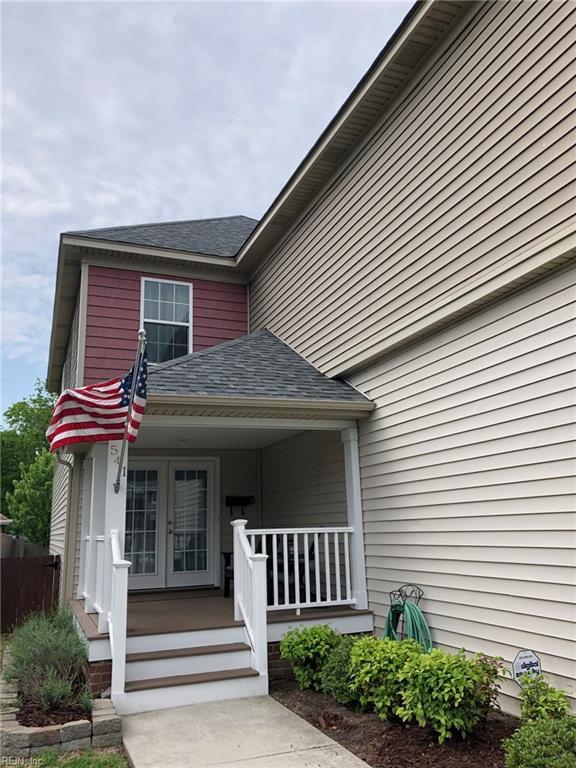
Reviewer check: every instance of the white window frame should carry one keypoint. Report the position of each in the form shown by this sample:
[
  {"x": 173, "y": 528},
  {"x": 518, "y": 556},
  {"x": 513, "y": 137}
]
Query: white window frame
[{"x": 189, "y": 324}]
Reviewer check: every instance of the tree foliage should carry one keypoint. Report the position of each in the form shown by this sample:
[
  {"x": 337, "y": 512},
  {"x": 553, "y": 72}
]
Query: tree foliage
[
  {"x": 23, "y": 441},
  {"x": 29, "y": 505},
  {"x": 29, "y": 419}
]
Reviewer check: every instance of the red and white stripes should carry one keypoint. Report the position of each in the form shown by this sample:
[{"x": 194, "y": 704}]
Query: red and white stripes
[{"x": 95, "y": 413}]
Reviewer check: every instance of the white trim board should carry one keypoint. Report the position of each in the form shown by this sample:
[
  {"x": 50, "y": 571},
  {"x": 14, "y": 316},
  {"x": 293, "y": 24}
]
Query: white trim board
[{"x": 244, "y": 423}]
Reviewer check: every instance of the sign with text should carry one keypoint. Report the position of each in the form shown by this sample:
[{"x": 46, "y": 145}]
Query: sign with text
[{"x": 526, "y": 661}]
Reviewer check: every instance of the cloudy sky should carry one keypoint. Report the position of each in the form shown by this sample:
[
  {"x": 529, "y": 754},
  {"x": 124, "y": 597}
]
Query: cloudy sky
[{"x": 123, "y": 113}]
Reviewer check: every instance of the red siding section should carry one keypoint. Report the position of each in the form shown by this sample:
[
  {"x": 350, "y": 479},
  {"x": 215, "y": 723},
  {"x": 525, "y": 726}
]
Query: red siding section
[{"x": 219, "y": 313}]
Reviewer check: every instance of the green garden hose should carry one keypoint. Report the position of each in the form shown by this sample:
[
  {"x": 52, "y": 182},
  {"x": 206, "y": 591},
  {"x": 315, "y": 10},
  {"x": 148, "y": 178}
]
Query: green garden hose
[{"x": 415, "y": 625}]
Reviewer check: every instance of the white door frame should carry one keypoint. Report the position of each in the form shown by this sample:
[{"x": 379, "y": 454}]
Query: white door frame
[
  {"x": 164, "y": 464},
  {"x": 158, "y": 579}
]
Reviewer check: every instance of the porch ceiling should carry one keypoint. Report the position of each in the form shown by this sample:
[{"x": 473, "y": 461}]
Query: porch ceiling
[{"x": 180, "y": 437}]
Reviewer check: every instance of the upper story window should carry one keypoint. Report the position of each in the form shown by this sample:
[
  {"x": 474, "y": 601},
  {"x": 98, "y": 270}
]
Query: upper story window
[{"x": 167, "y": 319}]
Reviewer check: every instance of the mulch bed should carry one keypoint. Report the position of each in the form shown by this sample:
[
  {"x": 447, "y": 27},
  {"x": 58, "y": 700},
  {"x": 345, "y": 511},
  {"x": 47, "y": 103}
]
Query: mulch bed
[
  {"x": 392, "y": 745},
  {"x": 33, "y": 715}
]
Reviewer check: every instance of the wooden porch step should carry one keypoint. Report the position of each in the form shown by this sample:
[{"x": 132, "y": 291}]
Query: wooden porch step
[
  {"x": 200, "y": 677},
  {"x": 175, "y": 653}
]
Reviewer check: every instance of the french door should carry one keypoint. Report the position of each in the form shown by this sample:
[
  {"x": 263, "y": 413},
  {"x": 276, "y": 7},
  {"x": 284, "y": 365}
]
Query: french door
[
  {"x": 190, "y": 556},
  {"x": 171, "y": 524}
]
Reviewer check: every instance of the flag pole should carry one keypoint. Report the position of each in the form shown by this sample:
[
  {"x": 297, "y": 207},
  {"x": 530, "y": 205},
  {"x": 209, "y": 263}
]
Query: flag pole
[{"x": 139, "y": 352}]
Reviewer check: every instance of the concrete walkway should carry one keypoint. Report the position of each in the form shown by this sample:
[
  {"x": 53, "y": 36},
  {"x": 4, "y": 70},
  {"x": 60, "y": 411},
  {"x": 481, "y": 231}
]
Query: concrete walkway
[{"x": 243, "y": 733}]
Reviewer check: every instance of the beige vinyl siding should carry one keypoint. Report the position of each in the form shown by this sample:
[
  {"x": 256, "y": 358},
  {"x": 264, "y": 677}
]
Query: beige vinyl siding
[
  {"x": 303, "y": 482},
  {"x": 468, "y": 171},
  {"x": 469, "y": 481},
  {"x": 70, "y": 367},
  {"x": 60, "y": 491},
  {"x": 61, "y": 486},
  {"x": 84, "y": 477}
]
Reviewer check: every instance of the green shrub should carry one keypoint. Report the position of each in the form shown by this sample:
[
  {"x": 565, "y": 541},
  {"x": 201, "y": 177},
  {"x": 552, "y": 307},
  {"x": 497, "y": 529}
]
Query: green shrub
[
  {"x": 375, "y": 666},
  {"x": 48, "y": 660},
  {"x": 543, "y": 743},
  {"x": 335, "y": 675},
  {"x": 539, "y": 699},
  {"x": 86, "y": 699},
  {"x": 307, "y": 649},
  {"x": 489, "y": 669},
  {"x": 445, "y": 691},
  {"x": 54, "y": 691}
]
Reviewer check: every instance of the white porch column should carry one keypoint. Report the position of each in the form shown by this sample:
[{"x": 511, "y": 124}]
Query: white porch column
[
  {"x": 114, "y": 518},
  {"x": 95, "y": 526},
  {"x": 355, "y": 521}
]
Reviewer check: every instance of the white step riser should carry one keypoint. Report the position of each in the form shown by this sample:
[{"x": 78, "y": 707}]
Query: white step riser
[
  {"x": 186, "y": 665},
  {"x": 173, "y": 640},
  {"x": 183, "y": 695}
]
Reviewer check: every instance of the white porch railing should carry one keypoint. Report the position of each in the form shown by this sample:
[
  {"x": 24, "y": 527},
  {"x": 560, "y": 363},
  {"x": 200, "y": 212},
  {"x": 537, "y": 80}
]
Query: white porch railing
[
  {"x": 117, "y": 617},
  {"x": 99, "y": 596},
  {"x": 307, "y": 567},
  {"x": 250, "y": 595},
  {"x": 86, "y": 567}
]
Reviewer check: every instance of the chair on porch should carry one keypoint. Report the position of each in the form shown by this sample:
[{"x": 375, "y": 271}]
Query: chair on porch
[{"x": 229, "y": 572}]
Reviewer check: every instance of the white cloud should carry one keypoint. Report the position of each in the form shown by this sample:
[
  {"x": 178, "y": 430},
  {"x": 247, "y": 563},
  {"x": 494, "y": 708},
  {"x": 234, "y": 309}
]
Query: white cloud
[{"x": 119, "y": 113}]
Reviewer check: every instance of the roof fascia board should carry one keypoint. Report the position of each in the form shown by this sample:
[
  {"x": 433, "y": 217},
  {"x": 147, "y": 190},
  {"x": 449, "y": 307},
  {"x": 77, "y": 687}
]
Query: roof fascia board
[
  {"x": 170, "y": 270},
  {"x": 51, "y": 384},
  {"x": 337, "y": 123},
  {"x": 165, "y": 253},
  {"x": 260, "y": 403}
]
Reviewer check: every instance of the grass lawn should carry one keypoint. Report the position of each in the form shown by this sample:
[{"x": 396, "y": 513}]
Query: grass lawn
[{"x": 99, "y": 758}]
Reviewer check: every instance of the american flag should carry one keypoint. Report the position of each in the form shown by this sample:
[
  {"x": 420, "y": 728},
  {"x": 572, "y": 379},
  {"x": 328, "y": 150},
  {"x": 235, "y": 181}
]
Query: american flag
[{"x": 99, "y": 412}]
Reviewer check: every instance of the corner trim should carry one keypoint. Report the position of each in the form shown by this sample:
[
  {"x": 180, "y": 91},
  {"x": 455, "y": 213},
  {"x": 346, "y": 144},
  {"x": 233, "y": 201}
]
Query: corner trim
[{"x": 82, "y": 314}]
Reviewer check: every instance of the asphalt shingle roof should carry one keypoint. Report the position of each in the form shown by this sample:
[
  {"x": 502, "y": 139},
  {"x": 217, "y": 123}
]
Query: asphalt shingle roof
[
  {"x": 258, "y": 365},
  {"x": 212, "y": 237}
]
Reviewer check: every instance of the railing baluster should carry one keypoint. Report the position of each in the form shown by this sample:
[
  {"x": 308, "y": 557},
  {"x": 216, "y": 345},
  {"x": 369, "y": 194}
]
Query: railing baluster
[
  {"x": 327, "y": 567},
  {"x": 337, "y": 574},
  {"x": 306, "y": 568},
  {"x": 275, "y": 567},
  {"x": 347, "y": 566},
  {"x": 296, "y": 572},
  {"x": 318, "y": 595},
  {"x": 285, "y": 559},
  {"x": 263, "y": 540},
  {"x": 253, "y": 542}
]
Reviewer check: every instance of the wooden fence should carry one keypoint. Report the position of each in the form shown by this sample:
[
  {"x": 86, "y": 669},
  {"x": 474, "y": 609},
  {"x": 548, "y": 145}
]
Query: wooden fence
[{"x": 28, "y": 585}]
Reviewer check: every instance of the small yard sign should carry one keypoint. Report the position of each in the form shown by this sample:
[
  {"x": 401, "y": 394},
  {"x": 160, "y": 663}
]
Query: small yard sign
[{"x": 526, "y": 661}]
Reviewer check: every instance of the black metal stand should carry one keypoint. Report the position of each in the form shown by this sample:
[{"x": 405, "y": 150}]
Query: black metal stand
[{"x": 406, "y": 593}]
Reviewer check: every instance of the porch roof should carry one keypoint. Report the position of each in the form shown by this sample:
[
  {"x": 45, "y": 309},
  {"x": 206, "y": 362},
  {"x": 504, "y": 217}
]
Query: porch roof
[{"x": 253, "y": 368}]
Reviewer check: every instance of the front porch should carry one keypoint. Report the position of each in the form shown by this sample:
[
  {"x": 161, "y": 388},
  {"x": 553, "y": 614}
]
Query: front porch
[
  {"x": 262, "y": 494},
  {"x": 172, "y": 611}
]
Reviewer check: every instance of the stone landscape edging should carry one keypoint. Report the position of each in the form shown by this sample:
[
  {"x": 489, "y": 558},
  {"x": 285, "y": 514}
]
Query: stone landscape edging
[{"x": 22, "y": 741}]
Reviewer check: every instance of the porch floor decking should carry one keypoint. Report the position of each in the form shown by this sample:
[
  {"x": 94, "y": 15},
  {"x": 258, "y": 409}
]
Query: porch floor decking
[{"x": 152, "y": 613}]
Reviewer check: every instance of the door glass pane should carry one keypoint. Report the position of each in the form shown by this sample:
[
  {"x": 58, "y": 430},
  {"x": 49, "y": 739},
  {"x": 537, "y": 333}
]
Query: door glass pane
[
  {"x": 140, "y": 546},
  {"x": 190, "y": 520}
]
